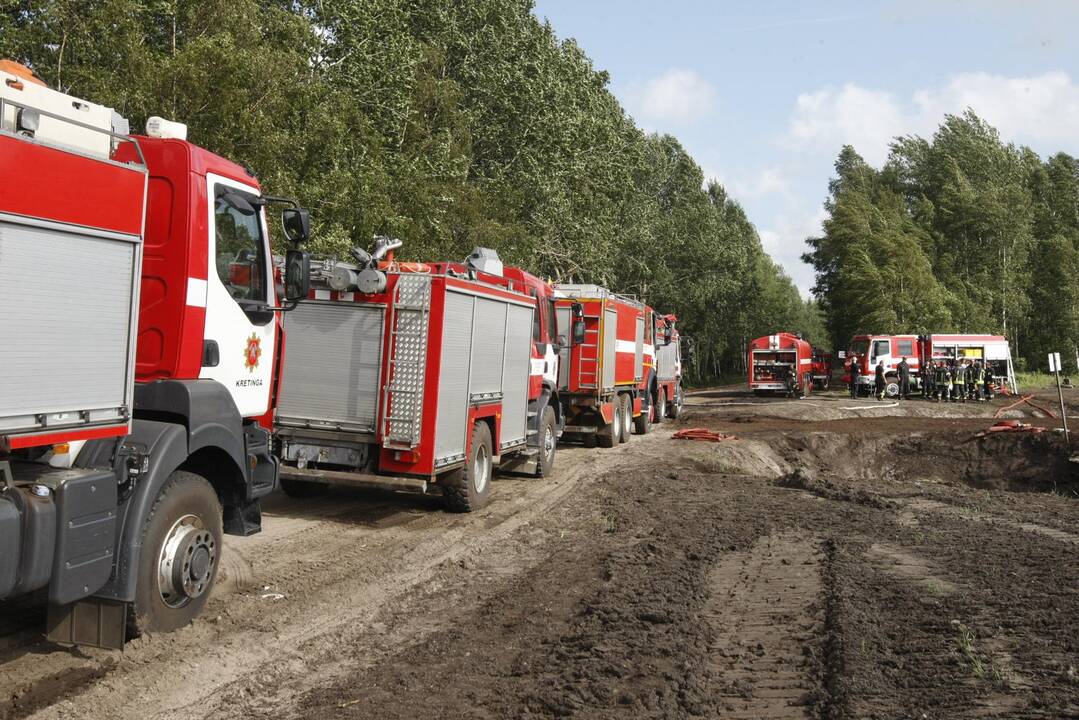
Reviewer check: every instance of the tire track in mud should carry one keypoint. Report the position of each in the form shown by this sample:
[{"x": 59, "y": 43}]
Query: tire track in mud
[{"x": 766, "y": 616}]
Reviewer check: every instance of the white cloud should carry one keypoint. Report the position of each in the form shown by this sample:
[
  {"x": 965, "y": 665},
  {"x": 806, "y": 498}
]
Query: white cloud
[
  {"x": 766, "y": 181},
  {"x": 675, "y": 97},
  {"x": 785, "y": 243},
  {"x": 1040, "y": 111}
]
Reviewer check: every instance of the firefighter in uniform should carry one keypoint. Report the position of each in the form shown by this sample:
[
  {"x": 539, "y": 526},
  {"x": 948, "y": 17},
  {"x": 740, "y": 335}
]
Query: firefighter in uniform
[
  {"x": 987, "y": 381},
  {"x": 879, "y": 380},
  {"x": 926, "y": 372},
  {"x": 904, "y": 379},
  {"x": 974, "y": 381},
  {"x": 946, "y": 384},
  {"x": 854, "y": 371}
]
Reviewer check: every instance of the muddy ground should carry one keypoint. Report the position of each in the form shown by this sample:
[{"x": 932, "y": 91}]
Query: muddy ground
[{"x": 840, "y": 559}]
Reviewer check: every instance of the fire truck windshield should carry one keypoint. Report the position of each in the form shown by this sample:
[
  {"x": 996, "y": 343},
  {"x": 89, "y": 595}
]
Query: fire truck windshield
[
  {"x": 240, "y": 256},
  {"x": 860, "y": 346}
]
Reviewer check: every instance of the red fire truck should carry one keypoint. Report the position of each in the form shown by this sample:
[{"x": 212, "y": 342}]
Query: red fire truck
[
  {"x": 821, "y": 369},
  {"x": 887, "y": 349},
  {"x": 780, "y": 363},
  {"x": 416, "y": 376},
  {"x": 608, "y": 381},
  {"x": 134, "y": 397},
  {"x": 918, "y": 349},
  {"x": 666, "y": 393}
]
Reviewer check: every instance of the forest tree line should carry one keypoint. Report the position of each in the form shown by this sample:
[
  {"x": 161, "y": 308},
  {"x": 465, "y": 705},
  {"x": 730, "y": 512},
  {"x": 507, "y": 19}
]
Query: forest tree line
[
  {"x": 958, "y": 233},
  {"x": 448, "y": 125}
]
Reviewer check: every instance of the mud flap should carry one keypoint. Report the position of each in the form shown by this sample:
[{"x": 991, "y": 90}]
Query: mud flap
[{"x": 94, "y": 622}]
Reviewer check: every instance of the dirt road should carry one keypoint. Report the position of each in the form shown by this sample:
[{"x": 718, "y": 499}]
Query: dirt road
[{"x": 840, "y": 559}]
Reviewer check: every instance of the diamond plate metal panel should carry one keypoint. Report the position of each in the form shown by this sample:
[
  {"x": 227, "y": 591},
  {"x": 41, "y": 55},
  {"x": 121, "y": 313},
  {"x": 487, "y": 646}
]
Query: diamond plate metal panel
[{"x": 412, "y": 302}]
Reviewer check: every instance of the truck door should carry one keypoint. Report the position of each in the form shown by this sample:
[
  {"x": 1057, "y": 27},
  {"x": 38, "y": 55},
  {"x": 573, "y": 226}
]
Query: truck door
[
  {"x": 882, "y": 350},
  {"x": 239, "y": 335}
]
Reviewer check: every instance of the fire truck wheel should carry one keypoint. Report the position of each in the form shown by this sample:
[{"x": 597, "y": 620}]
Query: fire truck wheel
[
  {"x": 300, "y": 489},
  {"x": 181, "y": 547},
  {"x": 610, "y": 434},
  {"x": 468, "y": 488},
  {"x": 625, "y": 403},
  {"x": 891, "y": 389},
  {"x": 588, "y": 440},
  {"x": 643, "y": 422},
  {"x": 548, "y": 443},
  {"x": 659, "y": 410},
  {"x": 675, "y": 410}
]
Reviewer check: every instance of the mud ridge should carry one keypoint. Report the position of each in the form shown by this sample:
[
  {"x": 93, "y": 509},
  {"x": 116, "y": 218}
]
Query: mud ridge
[{"x": 831, "y": 701}]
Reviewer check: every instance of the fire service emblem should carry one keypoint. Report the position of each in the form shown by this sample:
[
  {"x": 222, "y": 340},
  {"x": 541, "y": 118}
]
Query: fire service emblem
[{"x": 252, "y": 352}]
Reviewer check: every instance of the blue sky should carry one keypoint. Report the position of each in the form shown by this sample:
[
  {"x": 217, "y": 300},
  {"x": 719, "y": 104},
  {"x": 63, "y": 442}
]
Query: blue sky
[{"x": 763, "y": 94}]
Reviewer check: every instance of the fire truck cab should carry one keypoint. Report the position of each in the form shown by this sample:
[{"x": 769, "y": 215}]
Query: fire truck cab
[
  {"x": 135, "y": 385},
  {"x": 667, "y": 395},
  {"x": 886, "y": 349},
  {"x": 418, "y": 377}
]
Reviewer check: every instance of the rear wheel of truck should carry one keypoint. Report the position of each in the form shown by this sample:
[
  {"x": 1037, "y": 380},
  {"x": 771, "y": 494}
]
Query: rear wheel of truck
[
  {"x": 181, "y": 549},
  {"x": 675, "y": 410},
  {"x": 625, "y": 402},
  {"x": 659, "y": 411},
  {"x": 468, "y": 488},
  {"x": 643, "y": 422},
  {"x": 301, "y": 489},
  {"x": 548, "y": 430},
  {"x": 610, "y": 433}
]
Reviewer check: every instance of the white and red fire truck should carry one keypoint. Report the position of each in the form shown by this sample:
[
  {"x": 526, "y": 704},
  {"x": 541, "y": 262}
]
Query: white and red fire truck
[
  {"x": 666, "y": 392},
  {"x": 608, "y": 378},
  {"x": 919, "y": 349},
  {"x": 416, "y": 376},
  {"x": 136, "y": 369},
  {"x": 781, "y": 363}
]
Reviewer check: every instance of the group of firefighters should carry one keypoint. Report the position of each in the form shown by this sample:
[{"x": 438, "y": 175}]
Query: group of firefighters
[{"x": 951, "y": 380}]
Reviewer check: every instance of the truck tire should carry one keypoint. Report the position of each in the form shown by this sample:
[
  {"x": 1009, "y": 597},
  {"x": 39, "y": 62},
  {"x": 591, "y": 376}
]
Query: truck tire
[
  {"x": 610, "y": 434},
  {"x": 643, "y": 422},
  {"x": 674, "y": 410},
  {"x": 548, "y": 429},
  {"x": 891, "y": 386},
  {"x": 302, "y": 489},
  {"x": 625, "y": 403},
  {"x": 588, "y": 440},
  {"x": 468, "y": 488},
  {"x": 181, "y": 548},
  {"x": 659, "y": 411}
]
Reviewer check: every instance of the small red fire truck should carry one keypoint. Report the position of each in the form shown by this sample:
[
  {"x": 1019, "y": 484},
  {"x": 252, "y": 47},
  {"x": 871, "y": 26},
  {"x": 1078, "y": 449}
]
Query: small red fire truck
[
  {"x": 416, "y": 376},
  {"x": 821, "y": 369},
  {"x": 780, "y": 363},
  {"x": 666, "y": 394},
  {"x": 607, "y": 367},
  {"x": 134, "y": 386}
]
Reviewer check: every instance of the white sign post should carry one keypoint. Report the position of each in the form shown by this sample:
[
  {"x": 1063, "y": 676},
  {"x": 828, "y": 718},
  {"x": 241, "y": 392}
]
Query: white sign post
[{"x": 1054, "y": 367}]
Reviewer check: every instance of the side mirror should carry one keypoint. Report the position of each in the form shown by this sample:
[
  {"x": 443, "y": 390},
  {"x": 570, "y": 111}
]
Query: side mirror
[
  {"x": 668, "y": 335},
  {"x": 296, "y": 222},
  {"x": 578, "y": 332},
  {"x": 297, "y": 275},
  {"x": 560, "y": 341}
]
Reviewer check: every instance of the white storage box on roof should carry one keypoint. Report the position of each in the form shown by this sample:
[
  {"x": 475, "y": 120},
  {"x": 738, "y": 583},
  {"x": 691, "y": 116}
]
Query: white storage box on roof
[{"x": 19, "y": 92}]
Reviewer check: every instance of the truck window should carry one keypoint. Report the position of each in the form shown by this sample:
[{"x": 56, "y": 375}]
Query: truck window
[
  {"x": 906, "y": 348},
  {"x": 552, "y": 320},
  {"x": 881, "y": 348},
  {"x": 537, "y": 314},
  {"x": 240, "y": 260}
]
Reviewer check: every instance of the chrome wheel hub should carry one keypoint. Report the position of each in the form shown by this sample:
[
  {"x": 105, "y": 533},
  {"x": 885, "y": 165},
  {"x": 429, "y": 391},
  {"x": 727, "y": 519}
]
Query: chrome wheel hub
[
  {"x": 481, "y": 470},
  {"x": 187, "y": 561}
]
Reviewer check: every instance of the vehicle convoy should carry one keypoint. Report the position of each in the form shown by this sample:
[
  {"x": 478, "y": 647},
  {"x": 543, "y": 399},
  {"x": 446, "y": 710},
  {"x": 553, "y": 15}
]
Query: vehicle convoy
[
  {"x": 418, "y": 377},
  {"x": 780, "y": 363},
  {"x": 135, "y": 398},
  {"x": 611, "y": 382},
  {"x": 920, "y": 350}
]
